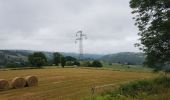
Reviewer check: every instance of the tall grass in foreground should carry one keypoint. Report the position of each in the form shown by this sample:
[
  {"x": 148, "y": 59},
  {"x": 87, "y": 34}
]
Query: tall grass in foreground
[{"x": 153, "y": 89}]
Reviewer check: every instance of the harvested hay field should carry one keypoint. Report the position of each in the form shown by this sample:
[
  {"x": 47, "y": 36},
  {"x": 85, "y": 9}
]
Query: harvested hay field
[{"x": 66, "y": 83}]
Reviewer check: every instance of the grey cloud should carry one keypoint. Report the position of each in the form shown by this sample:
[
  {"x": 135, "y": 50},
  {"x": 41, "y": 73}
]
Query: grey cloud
[{"x": 51, "y": 25}]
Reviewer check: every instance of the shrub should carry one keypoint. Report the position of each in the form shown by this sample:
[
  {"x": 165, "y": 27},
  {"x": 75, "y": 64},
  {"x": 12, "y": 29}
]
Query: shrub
[
  {"x": 134, "y": 88},
  {"x": 77, "y": 63},
  {"x": 85, "y": 63},
  {"x": 138, "y": 90},
  {"x": 96, "y": 63},
  {"x": 69, "y": 63},
  {"x": 12, "y": 65},
  {"x": 153, "y": 86}
]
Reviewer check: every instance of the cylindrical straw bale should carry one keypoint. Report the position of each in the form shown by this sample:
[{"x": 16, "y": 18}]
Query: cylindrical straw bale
[
  {"x": 4, "y": 84},
  {"x": 18, "y": 82},
  {"x": 31, "y": 81}
]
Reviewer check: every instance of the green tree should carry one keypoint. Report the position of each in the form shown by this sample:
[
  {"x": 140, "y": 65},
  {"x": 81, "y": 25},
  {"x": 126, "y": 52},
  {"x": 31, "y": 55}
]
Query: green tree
[
  {"x": 37, "y": 59},
  {"x": 153, "y": 20},
  {"x": 96, "y": 63},
  {"x": 77, "y": 63},
  {"x": 71, "y": 61},
  {"x": 57, "y": 58},
  {"x": 63, "y": 61}
]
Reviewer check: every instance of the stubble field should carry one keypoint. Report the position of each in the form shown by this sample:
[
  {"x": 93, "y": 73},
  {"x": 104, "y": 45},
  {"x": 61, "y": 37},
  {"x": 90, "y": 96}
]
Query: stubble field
[{"x": 67, "y": 83}]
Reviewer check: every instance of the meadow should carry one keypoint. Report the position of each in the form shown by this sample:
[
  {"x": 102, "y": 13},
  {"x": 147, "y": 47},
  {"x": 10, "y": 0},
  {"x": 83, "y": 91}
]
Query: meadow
[{"x": 68, "y": 83}]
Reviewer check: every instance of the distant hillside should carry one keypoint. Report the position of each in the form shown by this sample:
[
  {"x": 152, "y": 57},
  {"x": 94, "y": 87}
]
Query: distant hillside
[
  {"x": 17, "y": 56},
  {"x": 11, "y": 56},
  {"x": 125, "y": 58},
  {"x": 86, "y": 56}
]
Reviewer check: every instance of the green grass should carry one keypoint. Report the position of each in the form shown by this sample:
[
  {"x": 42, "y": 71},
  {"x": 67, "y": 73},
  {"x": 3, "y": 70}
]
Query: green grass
[
  {"x": 67, "y": 83},
  {"x": 121, "y": 67},
  {"x": 148, "y": 89}
]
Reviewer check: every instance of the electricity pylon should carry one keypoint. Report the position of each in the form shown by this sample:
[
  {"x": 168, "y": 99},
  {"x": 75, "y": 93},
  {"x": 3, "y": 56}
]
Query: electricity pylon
[{"x": 79, "y": 38}]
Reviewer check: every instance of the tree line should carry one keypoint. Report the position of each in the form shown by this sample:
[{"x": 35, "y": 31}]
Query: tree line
[{"x": 38, "y": 59}]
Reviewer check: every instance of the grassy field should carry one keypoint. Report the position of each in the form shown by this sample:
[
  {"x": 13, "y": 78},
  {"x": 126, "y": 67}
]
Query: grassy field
[
  {"x": 121, "y": 67},
  {"x": 66, "y": 83},
  {"x": 146, "y": 89}
]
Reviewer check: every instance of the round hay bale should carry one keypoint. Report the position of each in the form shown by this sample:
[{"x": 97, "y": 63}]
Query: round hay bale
[
  {"x": 18, "y": 82},
  {"x": 3, "y": 84},
  {"x": 31, "y": 81}
]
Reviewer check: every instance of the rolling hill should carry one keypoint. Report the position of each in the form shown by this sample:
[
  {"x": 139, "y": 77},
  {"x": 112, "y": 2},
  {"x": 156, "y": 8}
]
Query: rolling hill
[
  {"x": 17, "y": 56},
  {"x": 125, "y": 58}
]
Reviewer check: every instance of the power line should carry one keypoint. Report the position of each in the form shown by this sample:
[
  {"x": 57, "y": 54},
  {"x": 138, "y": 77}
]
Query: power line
[{"x": 79, "y": 38}]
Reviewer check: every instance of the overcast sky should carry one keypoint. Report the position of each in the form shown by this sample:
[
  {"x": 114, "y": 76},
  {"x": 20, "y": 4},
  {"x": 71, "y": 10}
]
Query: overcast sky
[{"x": 51, "y": 25}]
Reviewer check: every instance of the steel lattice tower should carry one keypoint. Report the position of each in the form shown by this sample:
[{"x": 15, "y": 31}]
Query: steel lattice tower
[{"x": 80, "y": 37}]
